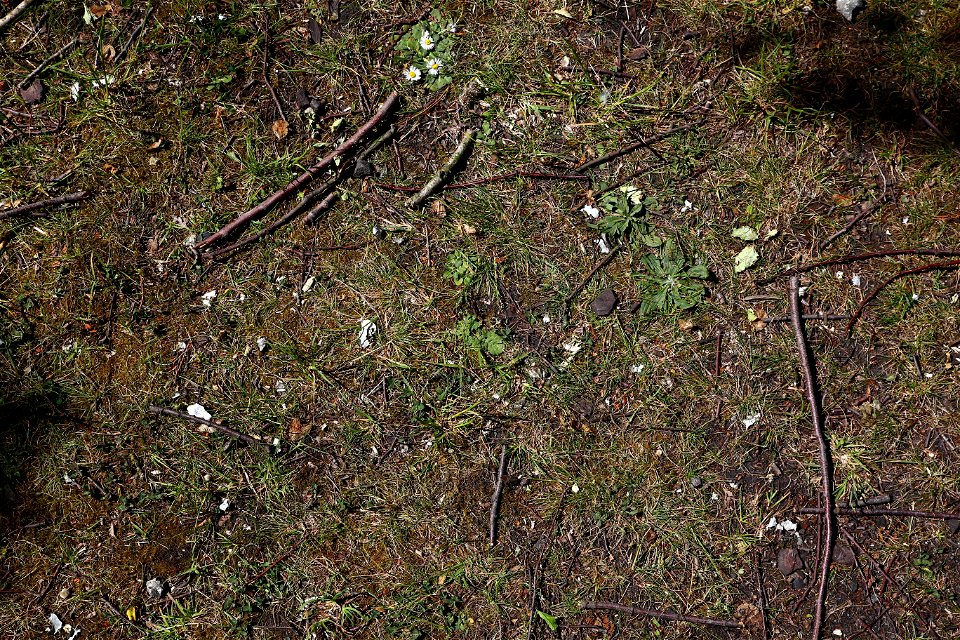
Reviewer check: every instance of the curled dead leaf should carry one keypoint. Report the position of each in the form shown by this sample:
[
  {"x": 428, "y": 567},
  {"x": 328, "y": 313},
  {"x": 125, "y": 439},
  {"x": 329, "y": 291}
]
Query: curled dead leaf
[
  {"x": 280, "y": 129},
  {"x": 466, "y": 229},
  {"x": 100, "y": 10},
  {"x": 109, "y": 53},
  {"x": 297, "y": 430}
]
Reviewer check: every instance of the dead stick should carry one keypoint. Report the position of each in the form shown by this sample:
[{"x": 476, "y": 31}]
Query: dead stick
[
  {"x": 660, "y": 615},
  {"x": 314, "y": 214},
  {"x": 826, "y": 467},
  {"x": 600, "y": 265},
  {"x": 133, "y": 36},
  {"x": 861, "y": 257},
  {"x": 46, "y": 63},
  {"x": 865, "y": 210},
  {"x": 266, "y": 79},
  {"x": 445, "y": 172},
  {"x": 936, "y": 266},
  {"x": 536, "y": 175},
  {"x": 43, "y": 204},
  {"x": 876, "y": 513},
  {"x": 304, "y": 178},
  {"x": 213, "y": 425},
  {"x": 636, "y": 145},
  {"x": 14, "y": 13},
  {"x": 498, "y": 495}
]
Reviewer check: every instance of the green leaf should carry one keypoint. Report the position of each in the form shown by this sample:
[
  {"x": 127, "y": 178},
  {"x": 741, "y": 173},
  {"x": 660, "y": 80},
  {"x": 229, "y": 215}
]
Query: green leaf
[
  {"x": 751, "y": 315},
  {"x": 745, "y": 259},
  {"x": 550, "y": 621},
  {"x": 698, "y": 271},
  {"x": 747, "y": 234}
]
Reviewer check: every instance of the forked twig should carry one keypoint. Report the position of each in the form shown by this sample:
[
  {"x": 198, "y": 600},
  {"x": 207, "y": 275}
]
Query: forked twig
[
  {"x": 660, "y": 615},
  {"x": 826, "y": 466},
  {"x": 304, "y": 178},
  {"x": 50, "y": 60}
]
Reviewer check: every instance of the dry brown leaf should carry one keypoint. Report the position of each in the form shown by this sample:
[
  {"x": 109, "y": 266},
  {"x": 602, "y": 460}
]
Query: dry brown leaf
[
  {"x": 33, "y": 93},
  {"x": 109, "y": 53},
  {"x": 280, "y": 129},
  {"x": 297, "y": 430},
  {"x": 750, "y": 616},
  {"x": 466, "y": 229},
  {"x": 439, "y": 208},
  {"x": 99, "y": 11}
]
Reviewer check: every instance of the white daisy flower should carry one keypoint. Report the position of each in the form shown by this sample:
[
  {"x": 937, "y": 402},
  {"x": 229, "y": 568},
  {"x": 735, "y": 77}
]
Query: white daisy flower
[
  {"x": 427, "y": 41},
  {"x": 434, "y": 65},
  {"x": 412, "y": 73}
]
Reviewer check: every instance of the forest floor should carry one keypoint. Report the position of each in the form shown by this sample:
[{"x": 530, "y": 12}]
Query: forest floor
[{"x": 605, "y": 337}]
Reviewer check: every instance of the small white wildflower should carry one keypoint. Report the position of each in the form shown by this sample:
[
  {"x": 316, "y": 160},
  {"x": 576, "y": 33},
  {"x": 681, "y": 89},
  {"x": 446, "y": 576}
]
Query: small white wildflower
[
  {"x": 906, "y": 219},
  {"x": 208, "y": 297},
  {"x": 915, "y": 297},
  {"x": 602, "y": 245},
  {"x": 751, "y": 420},
  {"x": 575, "y": 488},
  {"x": 225, "y": 504},
  {"x": 221, "y": 17},
  {"x": 591, "y": 211},
  {"x": 427, "y": 42},
  {"x": 573, "y": 347},
  {"x": 802, "y": 291},
  {"x": 261, "y": 343},
  {"x": 281, "y": 386},
  {"x": 75, "y": 91},
  {"x": 855, "y": 280},
  {"x": 714, "y": 497},
  {"x": 839, "y": 275},
  {"x": 434, "y": 65},
  {"x": 546, "y": 319},
  {"x": 636, "y": 368},
  {"x": 687, "y": 206},
  {"x": 452, "y": 26},
  {"x": 412, "y": 74}
]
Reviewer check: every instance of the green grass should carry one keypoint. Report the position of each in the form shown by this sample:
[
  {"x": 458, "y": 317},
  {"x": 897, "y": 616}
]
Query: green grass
[{"x": 375, "y": 524}]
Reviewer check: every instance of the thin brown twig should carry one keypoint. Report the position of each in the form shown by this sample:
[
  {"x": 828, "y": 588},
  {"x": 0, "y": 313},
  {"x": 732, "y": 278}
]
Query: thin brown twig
[
  {"x": 258, "y": 211},
  {"x": 62, "y": 51},
  {"x": 861, "y": 257},
  {"x": 436, "y": 182},
  {"x": 865, "y": 210},
  {"x": 266, "y": 79},
  {"x": 660, "y": 615},
  {"x": 536, "y": 175},
  {"x": 213, "y": 425},
  {"x": 498, "y": 494},
  {"x": 27, "y": 209},
  {"x": 630, "y": 148},
  {"x": 586, "y": 280},
  {"x": 826, "y": 466},
  {"x": 876, "y": 513},
  {"x": 936, "y": 266},
  {"x": 133, "y": 36}
]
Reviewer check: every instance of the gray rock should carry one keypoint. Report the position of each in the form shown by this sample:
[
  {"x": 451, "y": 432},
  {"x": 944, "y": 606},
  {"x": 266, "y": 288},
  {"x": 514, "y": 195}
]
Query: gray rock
[
  {"x": 605, "y": 303},
  {"x": 696, "y": 482},
  {"x": 155, "y": 588},
  {"x": 789, "y": 561},
  {"x": 850, "y": 9}
]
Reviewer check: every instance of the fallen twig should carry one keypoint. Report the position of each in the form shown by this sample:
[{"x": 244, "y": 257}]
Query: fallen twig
[
  {"x": 876, "y": 513},
  {"x": 46, "y": 63},
  {"x": 660, "y": 615},
  {"x": 445, "y": 172},
  {"x": 256, "y": 212},
  {"x": 600, "y": 265},
  {"x": 865, "y": 209},
  {"x": 498, "y": 494},
  {"x": 213, "y": 425},
  {"x": 541, "y": 565},
  {"x": 536, "y": 175},
  {"x": 266, "y": 79},
  {"x": 630, "y": 148},
  {"x": 826, "y": 467},
  {"x": 861, "y": 257},
  {"x": 14, "y": 13},
  {"x": 133, "y": 36},
  {"x": 314, "y": 214},
  {"x": 936, "y": 266},
  {"x": 27, "y": 209}
]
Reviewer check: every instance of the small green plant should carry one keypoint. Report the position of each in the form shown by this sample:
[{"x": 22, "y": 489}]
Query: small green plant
[
  {"x": 426, "y": 51},
  {"x": 625, "y": 216},
  {"x": 462, "y": 269},
  {"x": 475, "y": 337},
  {"x": 670, "y": 282}
]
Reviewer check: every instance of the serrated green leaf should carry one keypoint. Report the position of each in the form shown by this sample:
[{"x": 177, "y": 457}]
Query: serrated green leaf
[
  {"x": 747, "y": 234},
  {"x": 745, "y": 259}
]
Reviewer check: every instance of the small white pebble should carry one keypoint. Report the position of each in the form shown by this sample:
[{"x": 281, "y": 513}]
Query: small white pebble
[{"x": 575, "y": 488}]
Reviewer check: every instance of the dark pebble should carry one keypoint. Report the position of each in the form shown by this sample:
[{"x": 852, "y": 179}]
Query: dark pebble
[
  {"x": 843, "y": 554},
  {"x": 789, "y": 561},
  {"x": 798, "y": 582},
  {"x": 696, "y": 482},
  {"x": 954, "y": 526},
  {"x": 605, "y": 303},
  {"x": 362, "y": 169}
]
